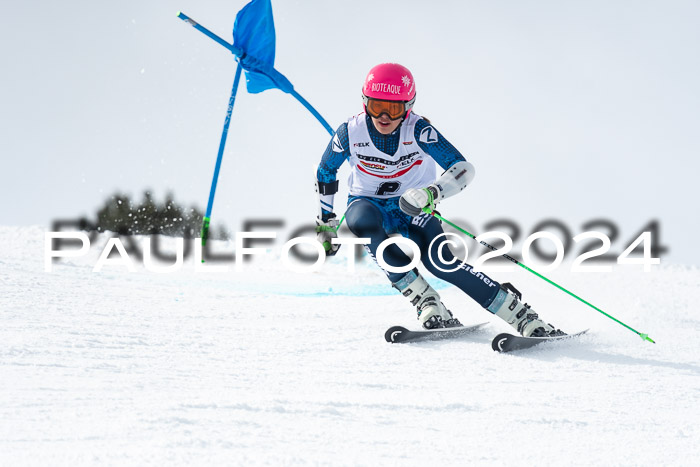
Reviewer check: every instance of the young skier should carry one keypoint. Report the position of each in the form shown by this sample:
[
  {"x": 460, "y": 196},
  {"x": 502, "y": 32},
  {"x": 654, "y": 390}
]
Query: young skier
[{"x": 392, "y": 154}]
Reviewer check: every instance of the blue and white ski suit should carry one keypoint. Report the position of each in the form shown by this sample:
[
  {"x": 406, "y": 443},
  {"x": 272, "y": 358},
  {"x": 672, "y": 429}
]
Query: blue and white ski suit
[{"x": 382, "y": 168}]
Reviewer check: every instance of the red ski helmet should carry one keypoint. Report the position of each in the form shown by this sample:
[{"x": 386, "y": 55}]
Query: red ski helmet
[{"x": 389, "y": 88}]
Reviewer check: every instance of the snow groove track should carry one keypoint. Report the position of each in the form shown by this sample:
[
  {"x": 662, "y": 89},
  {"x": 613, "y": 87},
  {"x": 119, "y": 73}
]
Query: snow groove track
[{"x": 143, "y": 368}]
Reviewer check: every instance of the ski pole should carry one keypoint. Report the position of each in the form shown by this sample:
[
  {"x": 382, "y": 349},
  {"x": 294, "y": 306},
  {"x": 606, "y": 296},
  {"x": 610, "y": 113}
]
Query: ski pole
[{"x": 510, "y": 258}]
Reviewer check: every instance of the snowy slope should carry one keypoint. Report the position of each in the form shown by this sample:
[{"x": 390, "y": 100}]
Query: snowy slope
[{"x": 280, "y": 368}]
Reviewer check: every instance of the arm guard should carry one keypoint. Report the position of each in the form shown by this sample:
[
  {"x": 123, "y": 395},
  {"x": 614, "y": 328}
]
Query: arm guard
[
  {"x": 326, "y": 193},
  {"x": 454, "y": 180}
]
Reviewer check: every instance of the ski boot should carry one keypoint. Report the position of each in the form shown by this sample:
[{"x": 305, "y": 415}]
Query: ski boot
[
  {"x": 432, "y": 313},
  {"x": 508, "y": 306}
]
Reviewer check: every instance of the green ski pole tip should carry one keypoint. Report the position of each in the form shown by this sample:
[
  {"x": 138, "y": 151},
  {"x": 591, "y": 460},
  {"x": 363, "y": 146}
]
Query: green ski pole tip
[
  {"x": 647, "y": 338},
  {"x": 327, "y": 246}
]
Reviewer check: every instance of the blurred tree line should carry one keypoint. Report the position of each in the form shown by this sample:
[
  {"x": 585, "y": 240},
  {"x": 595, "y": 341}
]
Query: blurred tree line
[{"x": 122, "y": 215}]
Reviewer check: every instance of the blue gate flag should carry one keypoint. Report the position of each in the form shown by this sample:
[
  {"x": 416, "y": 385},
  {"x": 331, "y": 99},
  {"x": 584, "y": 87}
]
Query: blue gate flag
[
  {"x": 254, "y": 48},
  {"x": 257, "y": 35},
  {"x": 254, "y": 33}
]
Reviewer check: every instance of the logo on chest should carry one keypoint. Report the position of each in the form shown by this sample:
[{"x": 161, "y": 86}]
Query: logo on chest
[
  {"x": 384, "y": 168},
  {"x": 372, "y": 166},
  {"x": 408, "y": 160}
]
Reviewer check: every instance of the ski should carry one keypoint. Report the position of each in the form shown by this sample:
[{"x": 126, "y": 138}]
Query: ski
[
  {"x": 399, "y": 334},
  {"x": 508, "y": 342}
]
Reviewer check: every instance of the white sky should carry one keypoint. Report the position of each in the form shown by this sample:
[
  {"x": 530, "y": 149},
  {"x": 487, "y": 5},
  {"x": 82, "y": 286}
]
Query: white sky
[{"x": 571, "y": 110}]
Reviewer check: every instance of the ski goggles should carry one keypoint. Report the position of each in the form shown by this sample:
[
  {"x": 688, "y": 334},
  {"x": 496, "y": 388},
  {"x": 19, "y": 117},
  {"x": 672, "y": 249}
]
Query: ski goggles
[{"x": 394, "y": 109}]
